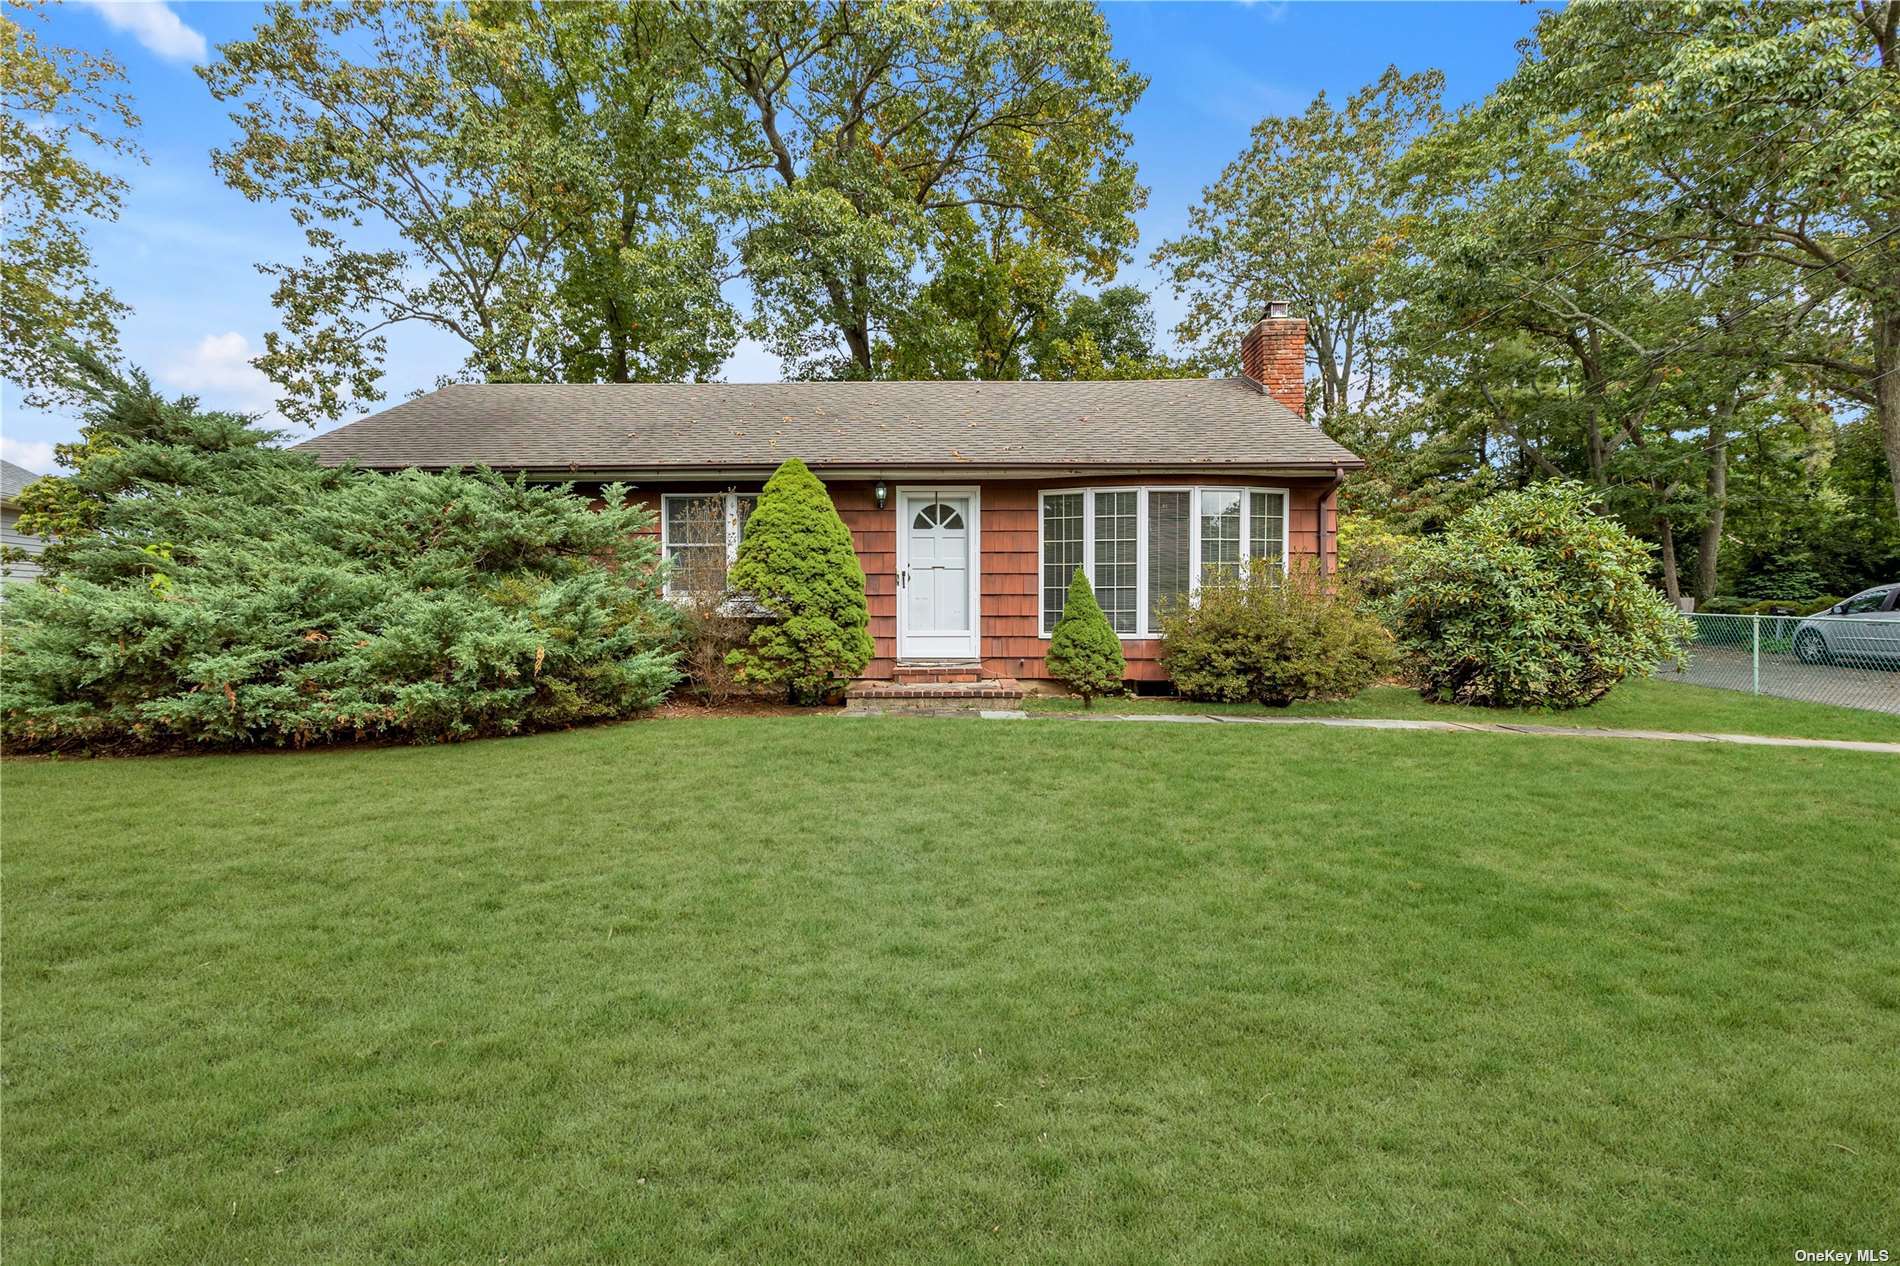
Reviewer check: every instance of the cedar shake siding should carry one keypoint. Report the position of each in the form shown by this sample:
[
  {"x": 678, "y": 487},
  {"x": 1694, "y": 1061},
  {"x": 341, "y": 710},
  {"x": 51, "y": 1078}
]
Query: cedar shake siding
[{"x": 1009, "y": 627}]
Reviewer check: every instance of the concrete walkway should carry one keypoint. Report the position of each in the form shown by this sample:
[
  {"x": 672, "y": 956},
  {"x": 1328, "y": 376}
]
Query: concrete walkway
[{"x": 1486, "y": 727}]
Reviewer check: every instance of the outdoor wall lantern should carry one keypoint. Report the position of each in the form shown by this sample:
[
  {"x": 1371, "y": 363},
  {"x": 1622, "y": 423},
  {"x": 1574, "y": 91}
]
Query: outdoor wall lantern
[{"x": 880, "y": 492}]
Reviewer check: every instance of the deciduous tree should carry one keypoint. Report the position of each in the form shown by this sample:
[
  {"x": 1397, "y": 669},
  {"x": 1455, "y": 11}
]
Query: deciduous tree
[
  {"x": 528, "y": 180},
  {"x": 66, "y": 129},
  {"x": 1759, "y": 134},
  {"x": 889, "y": 144},
  {"x": 1309, "y": 213}
]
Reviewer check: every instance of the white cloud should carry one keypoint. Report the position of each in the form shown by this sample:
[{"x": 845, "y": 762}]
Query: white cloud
[
  {"x": 219, "y": 371},
  {"x": 154, "y": 25},
  {"x": 35, "y": 455}
]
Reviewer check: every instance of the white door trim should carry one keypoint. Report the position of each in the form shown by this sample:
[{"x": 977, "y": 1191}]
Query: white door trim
[{"x": 904, "y": 494}]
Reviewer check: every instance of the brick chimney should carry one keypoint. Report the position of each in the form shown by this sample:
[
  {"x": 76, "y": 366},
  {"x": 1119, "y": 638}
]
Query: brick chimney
[{"x": 1273, "y": 354}]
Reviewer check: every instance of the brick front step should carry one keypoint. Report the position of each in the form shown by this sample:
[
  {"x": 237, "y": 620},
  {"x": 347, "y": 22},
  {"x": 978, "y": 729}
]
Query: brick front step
[
  {"x": 994, "y": 694},
  {"x": 937, "y": 672},
  {"x": 995, "y": 688}
]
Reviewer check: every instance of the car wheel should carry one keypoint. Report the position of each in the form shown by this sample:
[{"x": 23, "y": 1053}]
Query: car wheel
[{"x": 1810, "y": 647}]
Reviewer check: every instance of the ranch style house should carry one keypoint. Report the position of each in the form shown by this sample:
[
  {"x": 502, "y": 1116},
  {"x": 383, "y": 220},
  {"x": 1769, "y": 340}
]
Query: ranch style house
[{"x": 971, "y": 504}]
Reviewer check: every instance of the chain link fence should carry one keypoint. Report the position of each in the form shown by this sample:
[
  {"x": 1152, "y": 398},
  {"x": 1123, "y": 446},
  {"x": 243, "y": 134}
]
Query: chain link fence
[{"x": 1850, "y": 661}]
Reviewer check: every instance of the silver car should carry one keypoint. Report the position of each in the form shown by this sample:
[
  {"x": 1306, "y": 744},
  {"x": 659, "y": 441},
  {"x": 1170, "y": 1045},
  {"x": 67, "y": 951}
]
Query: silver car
[{"x": 1864, "y": 630}]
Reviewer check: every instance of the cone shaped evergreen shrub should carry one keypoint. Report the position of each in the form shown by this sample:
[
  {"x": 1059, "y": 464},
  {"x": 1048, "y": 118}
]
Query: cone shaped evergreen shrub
[
  {"x": 796, "y": 562},
  {"x": 1084, "y": 653}
]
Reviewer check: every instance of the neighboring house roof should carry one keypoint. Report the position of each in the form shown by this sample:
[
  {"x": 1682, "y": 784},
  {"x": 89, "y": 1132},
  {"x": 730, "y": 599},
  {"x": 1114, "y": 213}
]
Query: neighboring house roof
[
  {"x": 12, "y": 479},
  {"x": 656, "y": 428}
]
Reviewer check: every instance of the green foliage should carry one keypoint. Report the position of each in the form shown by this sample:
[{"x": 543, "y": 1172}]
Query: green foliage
[
  {"x": 1273, "y": 639},
  {"x": 1784, "y": 123},
  {"x": 1110, "y": 335},
  {"x": 119, "y": 411},
  {"x": 1781, "y": 606},
  {"x": 564, "y": 187},
  {"x": 530, "y": 180},
  {"x": 998, "y": 309},
  {"x": 797, "y": 563},
  {"x": 899, "y": 161},
  {"x": 1308, "y": 212},
  {"x": 65, "y": 128},
  {"x": 1658, "y": 259},
  {"x": 1531, "y": 599},
  {"x": 1369, "y": 553},
  {"x": 228, "y": 593},
  {"x": 1084, "y": 653}
]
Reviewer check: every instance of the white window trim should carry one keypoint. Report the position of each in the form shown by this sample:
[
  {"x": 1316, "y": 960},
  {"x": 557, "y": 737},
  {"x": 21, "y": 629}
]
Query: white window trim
[
  {"x": 1143, "y": 633},
  {"x": 731, "y": 497}
]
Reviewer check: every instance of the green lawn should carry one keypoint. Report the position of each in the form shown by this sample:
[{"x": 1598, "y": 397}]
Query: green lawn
[
  {"x": 810, "y": 989},
  {"x": 1635, "y": 705}
]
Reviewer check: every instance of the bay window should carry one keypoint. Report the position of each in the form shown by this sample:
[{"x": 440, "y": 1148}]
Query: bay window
[{"x": 1144, "y": 548}]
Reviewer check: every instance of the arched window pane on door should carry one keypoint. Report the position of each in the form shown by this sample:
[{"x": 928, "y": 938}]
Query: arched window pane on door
[{"x": 939, "y": 515}]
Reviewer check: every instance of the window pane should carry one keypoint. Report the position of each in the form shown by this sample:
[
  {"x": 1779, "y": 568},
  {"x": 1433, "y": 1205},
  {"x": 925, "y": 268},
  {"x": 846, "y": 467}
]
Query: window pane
[
  {"x": 1116, "y": 560},
  {"x": 1061, "y": 551},
  {"x": 696, "y": 544},
  {"x": 1220, "y": 533},
  {"x": 1266, "y": 527},
  {"x": 696, "y": 520},
  {"x": 697, "y": 569},
  {"x": 747, "y": 503},
  {"x": 1169, "y": 538}
]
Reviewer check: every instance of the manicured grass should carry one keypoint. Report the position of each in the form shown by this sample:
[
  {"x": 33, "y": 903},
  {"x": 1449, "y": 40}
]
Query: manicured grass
[
  {"x": 810, "y": 989},
  {"x": 1635, "y": 705}
]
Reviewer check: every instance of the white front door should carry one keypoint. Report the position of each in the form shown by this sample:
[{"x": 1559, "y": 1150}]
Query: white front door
[{"x": 937, "y": 552}]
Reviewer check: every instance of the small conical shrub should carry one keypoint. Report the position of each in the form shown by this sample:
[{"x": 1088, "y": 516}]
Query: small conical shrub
[
  {"x": 796, "y": 562},
  {"x": 1084, "y": 653}
]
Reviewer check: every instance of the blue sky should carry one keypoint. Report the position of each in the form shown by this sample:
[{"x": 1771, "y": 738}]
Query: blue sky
[{"x": 183, "y": 253}]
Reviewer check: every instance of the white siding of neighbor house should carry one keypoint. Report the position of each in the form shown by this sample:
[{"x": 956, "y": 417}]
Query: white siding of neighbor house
[{"x": 10, "y": 534}]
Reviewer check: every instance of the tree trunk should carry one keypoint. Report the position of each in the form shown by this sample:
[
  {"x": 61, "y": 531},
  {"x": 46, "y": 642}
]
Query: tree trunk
[
  {"x": 617, "y": 351},
  {"x": 1672, "y": 586},
  {"x": 1709, "y": 548},
  {"x": 616, "y": 345},
  {"x": 1887, "y": 385}
]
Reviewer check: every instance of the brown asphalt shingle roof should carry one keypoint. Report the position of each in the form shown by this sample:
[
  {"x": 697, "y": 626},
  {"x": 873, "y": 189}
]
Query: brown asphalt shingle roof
[{"x": 604, "y": 427}]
